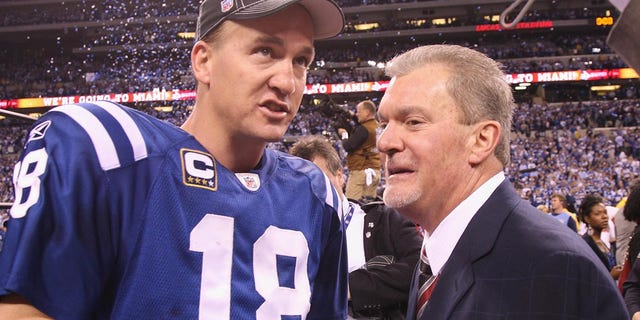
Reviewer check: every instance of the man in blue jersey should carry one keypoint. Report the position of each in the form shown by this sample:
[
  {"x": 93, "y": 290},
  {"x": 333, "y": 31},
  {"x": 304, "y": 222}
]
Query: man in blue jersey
[{"x": 118, "y": 215}]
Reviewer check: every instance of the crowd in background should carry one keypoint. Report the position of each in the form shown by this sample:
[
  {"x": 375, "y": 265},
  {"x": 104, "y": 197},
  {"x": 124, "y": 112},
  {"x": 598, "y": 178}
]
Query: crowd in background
[
  {"x": 36, "y": 74},
  {"x": 151, "y": 53},
  {"x": 572, "y": 148},
  {"x": 72, "y": 11},
  {"x": 93, "y": 10}
]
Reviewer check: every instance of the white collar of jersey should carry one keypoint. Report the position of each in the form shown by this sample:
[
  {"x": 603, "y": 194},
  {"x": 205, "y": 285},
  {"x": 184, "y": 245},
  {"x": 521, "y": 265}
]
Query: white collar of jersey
[{"x": 251, "y": 181}]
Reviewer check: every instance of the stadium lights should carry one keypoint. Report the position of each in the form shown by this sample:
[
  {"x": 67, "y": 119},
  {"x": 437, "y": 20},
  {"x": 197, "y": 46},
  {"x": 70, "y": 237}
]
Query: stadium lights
[
  {"x": 187, "y": 35},
  {"x": 379, "y": 65},
  {"x": 163, "y": 108},
  {"x": 439, "y": 22},
  {"x": 605, "y": 88},
  {"x": 493, "y": 18},
  {"x": 366, "y": 26},
  {"x": 416, "y": 22}
]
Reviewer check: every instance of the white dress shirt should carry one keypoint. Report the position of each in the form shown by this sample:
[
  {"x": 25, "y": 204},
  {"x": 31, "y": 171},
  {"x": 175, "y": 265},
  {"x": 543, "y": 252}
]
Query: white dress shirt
[
  {"x": 440, "y": 244},
  {"x": 355, "y": 240}
]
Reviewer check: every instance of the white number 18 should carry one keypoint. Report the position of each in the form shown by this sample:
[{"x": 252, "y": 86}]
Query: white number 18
[{"x": 213, "y": 236}]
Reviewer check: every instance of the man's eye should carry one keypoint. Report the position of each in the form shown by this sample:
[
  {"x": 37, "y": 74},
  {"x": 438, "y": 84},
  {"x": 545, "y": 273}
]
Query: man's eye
[
  {"x": 302, "y": 61},
  {"x": 265, "y": 51}
]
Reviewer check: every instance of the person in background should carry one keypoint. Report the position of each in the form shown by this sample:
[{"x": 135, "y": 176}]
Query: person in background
[
  {"x": 544, "y": 208},
  {"x": 3, "y": 228},
  {"x": 629, "y": 280},
  {"x": 383, "y": 246},
  {"x": 560, "y": 212},
  {"x": 594, "y": 214},
  {"x": 624, "y": 228},
  {"x": 630, "y": 207},
  {"x": 363, "y": 159},
  {"x": 608, "y": 235},
  {"x": 446, "y": 140},
  {"x": 139, "y": 219}
]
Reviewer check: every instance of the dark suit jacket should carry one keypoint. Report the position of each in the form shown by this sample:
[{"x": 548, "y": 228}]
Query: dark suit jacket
[
  {"x": 386, "y": 233},
  {"x": 631, "y": 288},
  {"x": 514, "y": 262},
  {"x": 592, "y": 244}
]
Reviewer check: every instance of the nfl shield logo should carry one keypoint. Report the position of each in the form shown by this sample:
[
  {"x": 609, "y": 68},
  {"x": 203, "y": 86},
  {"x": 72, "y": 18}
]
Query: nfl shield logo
[
  {"x": 226, "y": 5},
  {"x": 251, "y": 181}
]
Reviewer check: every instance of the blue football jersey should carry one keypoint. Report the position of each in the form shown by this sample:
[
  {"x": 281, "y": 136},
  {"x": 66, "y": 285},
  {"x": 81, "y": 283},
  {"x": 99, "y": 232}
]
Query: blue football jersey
[{"x": 119, "y": 215}]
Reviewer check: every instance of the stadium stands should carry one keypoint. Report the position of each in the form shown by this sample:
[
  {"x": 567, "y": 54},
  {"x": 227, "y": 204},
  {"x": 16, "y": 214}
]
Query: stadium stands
[{"x": 567, "y": 137}]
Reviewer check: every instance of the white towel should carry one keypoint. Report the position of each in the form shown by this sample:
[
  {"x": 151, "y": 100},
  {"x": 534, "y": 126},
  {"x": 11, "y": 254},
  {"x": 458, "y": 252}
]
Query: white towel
[{"x": 369, "y": 174}]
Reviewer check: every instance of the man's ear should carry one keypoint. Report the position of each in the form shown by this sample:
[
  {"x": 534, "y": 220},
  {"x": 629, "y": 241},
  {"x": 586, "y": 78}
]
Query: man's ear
[
  {"x": 200, "y": 55},
  {"x": 484, "y": 139},
  {"x": 341, "y": 179}
]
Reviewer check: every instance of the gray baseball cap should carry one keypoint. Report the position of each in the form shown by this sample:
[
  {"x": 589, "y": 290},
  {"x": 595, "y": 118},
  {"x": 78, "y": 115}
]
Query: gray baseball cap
[{"x": 326, "y": 15}]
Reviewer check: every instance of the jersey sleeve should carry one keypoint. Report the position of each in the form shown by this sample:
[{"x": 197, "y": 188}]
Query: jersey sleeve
[
  {"x": 59, "y": 248},
  {"x": 329, "y": 298}
]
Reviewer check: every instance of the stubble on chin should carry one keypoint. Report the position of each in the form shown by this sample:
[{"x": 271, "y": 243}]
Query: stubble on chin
[{"x": 398, "y": 199}]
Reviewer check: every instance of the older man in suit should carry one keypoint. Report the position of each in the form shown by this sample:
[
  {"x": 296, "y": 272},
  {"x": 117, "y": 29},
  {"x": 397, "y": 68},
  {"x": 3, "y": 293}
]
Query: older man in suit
[{"x": 487, "y": 254}]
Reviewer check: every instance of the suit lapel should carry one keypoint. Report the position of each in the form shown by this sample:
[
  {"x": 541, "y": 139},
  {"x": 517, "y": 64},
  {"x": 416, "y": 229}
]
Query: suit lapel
[
  {"x": 413, "y": 294},
  {"x": 456, "y": 277}
]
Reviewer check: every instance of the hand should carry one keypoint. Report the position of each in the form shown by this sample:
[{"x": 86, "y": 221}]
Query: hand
[
  {"x": 615, "y": 273},
  {"x": 343, "y": 134},
  {"x": 636, "y": 316}
]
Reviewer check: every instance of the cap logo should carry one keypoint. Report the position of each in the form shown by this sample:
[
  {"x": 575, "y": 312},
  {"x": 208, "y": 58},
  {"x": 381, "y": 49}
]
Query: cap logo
[{"x": 226, "y": 5}]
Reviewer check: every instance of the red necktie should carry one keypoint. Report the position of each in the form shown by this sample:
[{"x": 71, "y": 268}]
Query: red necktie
[{"x": 427, "y": 283}]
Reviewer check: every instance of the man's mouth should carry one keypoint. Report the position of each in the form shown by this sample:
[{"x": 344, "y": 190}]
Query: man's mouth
[
  {"x": 397, "y": 171},
  {"x": 275, "y": 106}
]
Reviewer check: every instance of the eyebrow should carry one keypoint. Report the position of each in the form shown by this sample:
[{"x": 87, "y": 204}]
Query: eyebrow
[
  {"x": 308, "y": 50},
  {"x": 404, "y": 111},
  {"x": 271, "y": 40}
]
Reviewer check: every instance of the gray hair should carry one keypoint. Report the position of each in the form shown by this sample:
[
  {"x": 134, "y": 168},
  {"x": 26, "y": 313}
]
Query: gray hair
[{"x": 477, "y": 84}]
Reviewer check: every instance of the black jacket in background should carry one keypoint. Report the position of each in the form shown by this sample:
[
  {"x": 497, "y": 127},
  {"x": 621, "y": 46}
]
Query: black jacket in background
[{"x": 392, "y": 249}]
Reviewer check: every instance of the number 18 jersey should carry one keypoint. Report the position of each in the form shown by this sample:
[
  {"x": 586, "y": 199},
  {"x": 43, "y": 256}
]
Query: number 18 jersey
[{"x": 120, "y": 215}]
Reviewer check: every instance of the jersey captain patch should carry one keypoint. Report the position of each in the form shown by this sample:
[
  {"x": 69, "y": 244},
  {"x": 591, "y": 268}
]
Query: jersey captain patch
[{"x": 199, "y": 169}]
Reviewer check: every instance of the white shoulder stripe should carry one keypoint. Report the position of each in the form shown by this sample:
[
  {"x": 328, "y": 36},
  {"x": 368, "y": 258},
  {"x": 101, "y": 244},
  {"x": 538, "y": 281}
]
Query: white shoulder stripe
[
  {"x": 102, "y": 142},
  {"x": 130, "y": 128},
  {"x": 329, "y": 199}
]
